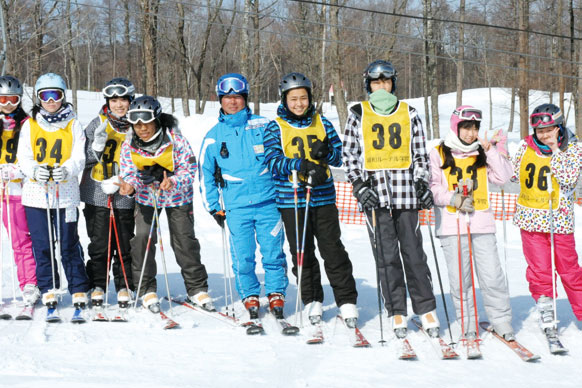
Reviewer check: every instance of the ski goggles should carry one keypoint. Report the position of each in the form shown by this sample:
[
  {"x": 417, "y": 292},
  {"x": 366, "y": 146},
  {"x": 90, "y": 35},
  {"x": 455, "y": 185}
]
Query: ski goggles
[
  {"x": 228, "y": 85},
  {"x": 143, "y": 115},
  {"x": 46, "y": 95},
  {"x": 469, "y": 114},
  {"x": 380, "y": 73},
  {"x": 543, "y": 119},
  {"x": 111, "y": 91},
  {"x": 12, "y": 100}
]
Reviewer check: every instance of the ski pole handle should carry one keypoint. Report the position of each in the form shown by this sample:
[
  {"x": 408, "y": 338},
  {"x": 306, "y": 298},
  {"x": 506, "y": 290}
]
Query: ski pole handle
[
  {"x": 549, "y": 184},
  {"x": 295, "y": 181},
  {"x": 465, "y": 190}
]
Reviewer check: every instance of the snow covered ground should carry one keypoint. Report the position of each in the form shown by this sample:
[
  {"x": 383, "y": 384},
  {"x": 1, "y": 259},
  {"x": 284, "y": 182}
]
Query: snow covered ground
[{"x": 207, "y": 353}]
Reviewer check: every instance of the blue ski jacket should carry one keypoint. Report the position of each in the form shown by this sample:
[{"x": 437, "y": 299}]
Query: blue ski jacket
[{"x": 235, "y": 145}]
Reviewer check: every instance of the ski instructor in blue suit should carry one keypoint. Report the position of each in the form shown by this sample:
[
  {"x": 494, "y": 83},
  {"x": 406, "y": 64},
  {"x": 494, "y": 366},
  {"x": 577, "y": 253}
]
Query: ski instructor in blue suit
[{"x": 232, "y": 161}]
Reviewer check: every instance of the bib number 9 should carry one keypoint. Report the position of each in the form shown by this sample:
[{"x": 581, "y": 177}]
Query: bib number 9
[{"x": 10, "y": 156}]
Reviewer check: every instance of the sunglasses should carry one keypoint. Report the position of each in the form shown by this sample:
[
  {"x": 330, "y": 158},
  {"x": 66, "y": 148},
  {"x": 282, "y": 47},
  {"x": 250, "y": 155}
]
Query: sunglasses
[
  {"x": 545, "y": 119},
  {"x": 115, "y": 90},
  {"x": 12, "y": 100},
  {"x": 46, "y": 95},
  {"x": 231, "y": 84},
  {"x": 145, "y": 116},
  {"x": 469, "y": 114}
]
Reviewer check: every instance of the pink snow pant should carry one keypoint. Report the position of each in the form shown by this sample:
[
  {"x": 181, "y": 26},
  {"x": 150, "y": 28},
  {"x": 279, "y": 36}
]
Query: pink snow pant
[
  {"x": 536, "y": 249},
  {"x": 21, "y": 242}
]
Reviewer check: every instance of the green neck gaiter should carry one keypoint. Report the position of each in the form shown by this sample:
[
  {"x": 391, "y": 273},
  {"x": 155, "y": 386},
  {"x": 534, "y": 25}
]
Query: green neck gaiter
[{"x": 383, "y": 101}]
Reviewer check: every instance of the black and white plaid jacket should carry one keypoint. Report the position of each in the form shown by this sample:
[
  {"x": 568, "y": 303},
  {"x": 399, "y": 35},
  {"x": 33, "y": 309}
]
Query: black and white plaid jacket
[{"x": 394, "y": 187}]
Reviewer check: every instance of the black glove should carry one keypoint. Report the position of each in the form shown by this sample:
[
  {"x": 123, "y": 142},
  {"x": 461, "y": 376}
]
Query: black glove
[
  {"x": 317, "y": 173},
  {"x": 365, "y": 195},
  {"x": 423, "y": 194},
  {"x": 219, "y": 217},
  {"x": 320, "y": 149},
  {"x": 145, "y": 177}
]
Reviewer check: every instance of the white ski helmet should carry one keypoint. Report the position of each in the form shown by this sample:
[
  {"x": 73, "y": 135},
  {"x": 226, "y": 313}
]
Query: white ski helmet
[{"x": 49, "y": 81}]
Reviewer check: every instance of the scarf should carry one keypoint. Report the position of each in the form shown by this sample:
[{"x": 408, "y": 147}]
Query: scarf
[
  {"x": 64, "y": 114},
  {"x": 454, "y": 143},
  {"x": 119, "y": 123},
  {"x": 383, "y": 101}
]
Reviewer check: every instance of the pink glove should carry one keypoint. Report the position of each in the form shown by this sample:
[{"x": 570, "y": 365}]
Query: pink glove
[{"x": 499, "y": 140}]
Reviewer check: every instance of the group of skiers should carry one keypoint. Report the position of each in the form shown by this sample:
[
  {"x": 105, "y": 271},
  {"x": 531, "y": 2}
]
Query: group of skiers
[{"x": 269, "y": 179}]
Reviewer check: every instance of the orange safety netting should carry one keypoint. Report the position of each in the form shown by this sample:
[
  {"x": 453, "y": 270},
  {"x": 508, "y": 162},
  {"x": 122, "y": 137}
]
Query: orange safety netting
[{"x": 349, "y": 213}]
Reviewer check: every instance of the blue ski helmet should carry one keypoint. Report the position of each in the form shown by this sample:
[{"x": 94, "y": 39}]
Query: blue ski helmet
[
  {"x": 232, "y": 83},
  {"x": 379, "y": 69},
  {"x": 49, "y": 81}
]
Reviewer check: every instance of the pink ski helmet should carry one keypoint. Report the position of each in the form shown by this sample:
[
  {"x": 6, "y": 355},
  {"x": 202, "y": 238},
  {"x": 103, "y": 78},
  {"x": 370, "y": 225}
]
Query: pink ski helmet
[{"x": 464, "y": 113}]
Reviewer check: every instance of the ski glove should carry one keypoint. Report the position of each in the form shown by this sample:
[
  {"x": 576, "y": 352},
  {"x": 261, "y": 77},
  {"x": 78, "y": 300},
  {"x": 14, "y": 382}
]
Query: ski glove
[
  {"x": 111, "y": 185},
  {"x": 145, "y": 177},
  {"x": 317, "y": 173},
  {"x": 41, "y": 173},
  {"x": 60, "y": 174},
  {"x": 465, "y": 182},
  {"x": 320, "y": 149},
  {"x": 219, "y": 217},
  {"x": 463, "y": 202},
  {"x": 423, "y": 194},
  {"x": 10, "y": 172},
  {"x": 365, "y": 195},
  {"x": 100, "y": 138}
]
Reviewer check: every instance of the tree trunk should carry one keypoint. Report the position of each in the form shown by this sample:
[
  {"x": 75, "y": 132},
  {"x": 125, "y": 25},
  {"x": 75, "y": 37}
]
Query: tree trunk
[
  {"x": 512, "y": 110},
  {"x": 432, "y": 70},
  {"x": 149, "y": 9},
  {"x": 461, "y": 54},
  {"x": 323, "y": 83},
  {"x": 71, "y": 55},
  {"x": 425, "y": 81},
  {"x": 128, "y": 57},
  {"x": 184, "y": 84},
  {"x": 338, "y": 90},
  {"x": 523, "y": 63},
  {"x": 256, "y": 86},
  {"x": 245, "y": 50}
]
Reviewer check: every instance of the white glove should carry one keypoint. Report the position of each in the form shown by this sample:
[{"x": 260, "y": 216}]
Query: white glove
[
  {"x": 60, "y": 174},
  {"x": 10, "y": 172},
  {"x": 465, "y": 182},
  {"x": 111, "y": 185},
  {"x": 100, "y": 137},
  {"x": 41, "y": 173}
]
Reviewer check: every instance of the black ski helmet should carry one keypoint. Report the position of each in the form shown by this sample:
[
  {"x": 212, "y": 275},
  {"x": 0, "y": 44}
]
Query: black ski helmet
[
  {"x": 119, "y": 87},
  {"x": 546, "y": 115},
  {"x": 294, "y": 81},
  {"x": 380, "y": 69}
]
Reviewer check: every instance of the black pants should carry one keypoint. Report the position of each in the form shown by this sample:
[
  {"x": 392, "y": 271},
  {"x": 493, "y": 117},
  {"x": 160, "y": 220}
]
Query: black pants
[
  {"x": 97, "y": 220},
  {"x": 323, "y": 224},
  {"x": 398, "y": 235},
  {"x": 183, "y": 241}
]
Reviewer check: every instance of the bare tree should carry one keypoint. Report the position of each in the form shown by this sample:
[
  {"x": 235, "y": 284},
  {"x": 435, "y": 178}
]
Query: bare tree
[
  {"x": 71, "y": 54},
  {"x": 523, "y": 13},
  {"x": 336, "y": 59},
  {"x": 461, "y": 53},
  {"x": 183, "y": 48},
  {"x": 149, "y": 9},
  {"x": 127, "y": 38}
]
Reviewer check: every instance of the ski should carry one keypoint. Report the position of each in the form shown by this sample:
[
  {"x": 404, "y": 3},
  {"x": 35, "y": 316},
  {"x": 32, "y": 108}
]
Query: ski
[
  {"x": 99, "y": 314},
  {"x": 169, "y": 323},
  {"x": 443, "y": 350},
  {"x": 315, "y": 334},
  {"x": 286, "y": 327},
  {"x": 225, "y": 318},
  {"x": 517, "y": 348},
  {"x": 120, "y": 315},
  {"x": 406, "y": 350},
  {"x": 554, "y": 342},
  {"x": 25, "y": 314},
  {"x": 52, "y": 315},
  {"x": 356, "y": 337},
  {"x": 254, "y": 327},
  {"x": 472, "y": 347},
  {"x": 78, "y": 316},
  {"x": 4, "y": 315}
]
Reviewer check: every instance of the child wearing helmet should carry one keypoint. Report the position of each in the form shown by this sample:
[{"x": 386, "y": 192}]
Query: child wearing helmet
[
  {"x": 158, "y": 167},
  {"x": 99, "y": 185},
  {"x": 384, "y": 154},
  {"x": 465, "y": 159},
  {"x": 51, "y": 154},
  {"x": 551, "y": 152},
  {"x": 304, "y": 141},
  {"x": 233, "y": 167},
  {"x": 13, "y": 118}
]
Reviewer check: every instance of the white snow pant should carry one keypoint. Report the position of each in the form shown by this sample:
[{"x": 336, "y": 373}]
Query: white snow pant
[{"x": 489, "y": 274}]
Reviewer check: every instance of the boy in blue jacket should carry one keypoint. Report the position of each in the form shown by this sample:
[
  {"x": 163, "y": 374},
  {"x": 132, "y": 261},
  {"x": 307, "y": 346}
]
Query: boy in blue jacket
[{"x": 232, "y": 160}]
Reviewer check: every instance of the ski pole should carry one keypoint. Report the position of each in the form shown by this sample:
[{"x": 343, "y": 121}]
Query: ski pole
[
  {"x": 159, "y": 231},
  {"x": 50, "y": 230},
  {"x": 552, "y": 248},
  {"x": 112, "y": 217},
  {"x": 225, "y": 264},
  {"x": 58, "y": 235},
  {"x": 108, "y": 254},
  {"x": 300, "y": 259},
  {"x": 504, "y": 238},
  {"x": 297, "y": 248},
  {"x": 1, "y": 245},
  {"x": 467, "y": 219},
  {"x": 9, "y": 230},
  {"x": 460, "y": 272},
  {"x": 436, "y": 262},
  {"x": 375, "y": 239},
  {"x": 144, "y": 262}
]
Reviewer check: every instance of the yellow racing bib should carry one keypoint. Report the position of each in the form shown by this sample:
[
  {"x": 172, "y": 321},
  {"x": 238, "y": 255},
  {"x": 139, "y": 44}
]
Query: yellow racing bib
[
  {"x": 464, "y": 169},
  {"x": 110, "y": 155},
  {"x": 165, "y": 159},
  {"x": 297, "y": 142},
  {"x": 51, "y": 147},
  {"x": 8, "y": 148},
  {"x": 387, "y": 144},
  {"x": 533, "y": 172}
]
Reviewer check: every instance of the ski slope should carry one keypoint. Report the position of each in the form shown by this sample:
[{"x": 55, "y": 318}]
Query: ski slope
[{"x": 207, "y": 353}]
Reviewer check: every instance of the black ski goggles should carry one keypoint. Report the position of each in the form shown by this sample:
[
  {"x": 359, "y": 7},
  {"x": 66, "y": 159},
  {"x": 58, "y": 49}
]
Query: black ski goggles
[{"x": 143, "y": 115}]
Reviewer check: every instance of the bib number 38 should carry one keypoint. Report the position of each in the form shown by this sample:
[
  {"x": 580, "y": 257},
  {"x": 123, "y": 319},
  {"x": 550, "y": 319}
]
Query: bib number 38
[{"x": 394, "y": 138}]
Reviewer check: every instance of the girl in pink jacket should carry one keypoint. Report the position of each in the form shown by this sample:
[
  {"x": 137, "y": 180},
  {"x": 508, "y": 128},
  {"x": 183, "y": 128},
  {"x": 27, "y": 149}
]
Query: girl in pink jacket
[
  {"x": 552, "y": 151},
  {"x": 464, "y": 158}
]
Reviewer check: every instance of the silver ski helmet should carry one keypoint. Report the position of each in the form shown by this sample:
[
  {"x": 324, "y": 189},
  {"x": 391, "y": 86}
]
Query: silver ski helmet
[
  {"x": 119, "y": 87},
  {"x": 379, "y": 69},
  {"x": 10, "y": 86},
  {"x": 294, "y": 81},
  {"x": 145, "y": 109}
]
